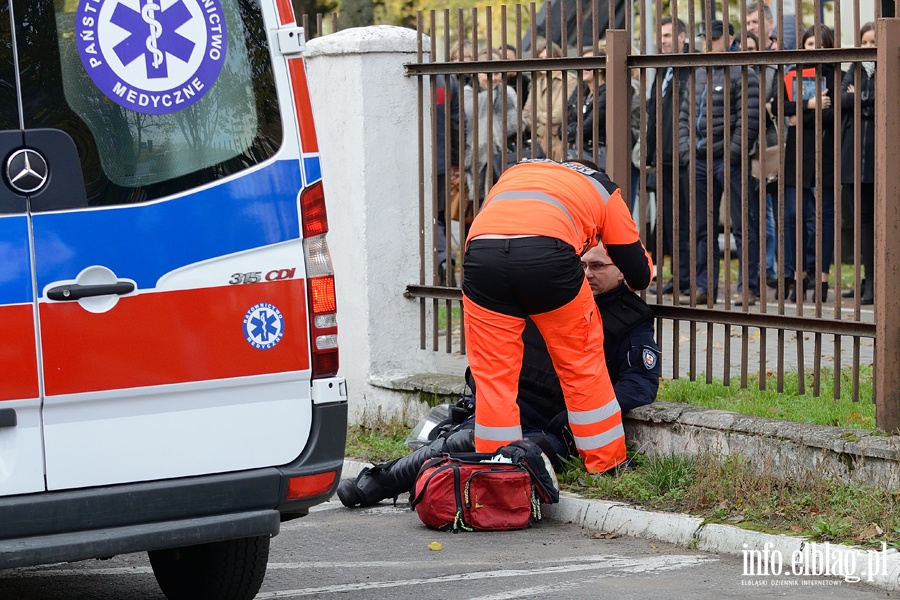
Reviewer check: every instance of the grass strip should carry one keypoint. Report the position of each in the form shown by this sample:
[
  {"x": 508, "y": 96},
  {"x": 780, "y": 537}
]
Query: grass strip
[
  {"x": 788, "y": 406},
  {"x": 729, "y": 490},
  {"x": 733, "y": 491}
]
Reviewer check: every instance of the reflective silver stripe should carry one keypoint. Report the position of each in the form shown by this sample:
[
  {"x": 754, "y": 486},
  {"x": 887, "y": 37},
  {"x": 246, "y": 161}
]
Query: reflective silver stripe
[
  {"x": 604, "y": 193},
  {"x": 587, "y": 173},
  {"x": 498, "y": 434},
  {"x": 595, "y": 442},
  {"x": 537, "y": 196},
  {"x": 589, "y": 417}
]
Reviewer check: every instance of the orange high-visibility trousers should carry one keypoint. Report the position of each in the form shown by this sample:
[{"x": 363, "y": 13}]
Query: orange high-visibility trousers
[{"x": 574, "y": 336}]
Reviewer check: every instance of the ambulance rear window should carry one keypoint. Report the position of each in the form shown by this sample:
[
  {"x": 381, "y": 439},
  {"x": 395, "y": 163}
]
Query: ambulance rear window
[{"x": 159, "y": 96}]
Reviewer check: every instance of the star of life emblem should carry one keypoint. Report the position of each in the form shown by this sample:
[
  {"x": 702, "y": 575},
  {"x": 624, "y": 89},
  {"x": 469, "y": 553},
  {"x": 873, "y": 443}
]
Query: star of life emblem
[
  {"x": 152, "y": 56},
  {"x": 263, "y": 326}
]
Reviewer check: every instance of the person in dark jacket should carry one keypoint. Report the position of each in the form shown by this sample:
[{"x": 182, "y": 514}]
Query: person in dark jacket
[
  {"x": 665, "y": 156},
  {"x": 809, "y": 91},
  {"x": 632, "y": 358},
  {"x": 861, "y": 90},
  {"x": 708, "y": 127}
]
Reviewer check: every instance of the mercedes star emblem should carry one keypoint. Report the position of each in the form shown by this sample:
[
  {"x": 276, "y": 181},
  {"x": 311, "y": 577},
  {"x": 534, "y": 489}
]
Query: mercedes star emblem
[{"x": 26, "y": 171}]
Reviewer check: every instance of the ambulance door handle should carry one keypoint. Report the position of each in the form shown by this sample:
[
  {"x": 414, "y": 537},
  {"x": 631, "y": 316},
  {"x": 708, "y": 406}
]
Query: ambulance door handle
[
  {"x": 8, "y": 417},
  {"x": 75, "y": 291}
]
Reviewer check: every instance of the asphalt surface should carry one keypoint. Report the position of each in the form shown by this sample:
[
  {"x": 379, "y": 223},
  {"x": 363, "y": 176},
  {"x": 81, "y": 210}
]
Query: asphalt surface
[{"x": 383, "y": 552}]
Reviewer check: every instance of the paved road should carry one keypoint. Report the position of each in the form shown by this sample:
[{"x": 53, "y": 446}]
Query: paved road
[{"x": 382, "y": 552}]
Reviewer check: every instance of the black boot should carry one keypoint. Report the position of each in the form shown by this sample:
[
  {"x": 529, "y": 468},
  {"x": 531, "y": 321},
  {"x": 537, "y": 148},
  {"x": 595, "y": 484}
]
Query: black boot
[
  {"x": 790, "y": 281},
  {"x": 365, "y": 490},
  {"x": 821, "y": 289},
  {"x": 804, "y": 285},
  {"x": 868, "y": 292},
  {"x": 391, "y": 479}
]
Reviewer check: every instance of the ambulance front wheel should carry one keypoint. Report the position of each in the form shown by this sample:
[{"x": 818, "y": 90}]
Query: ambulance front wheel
[{"x": 229, "y": 570}]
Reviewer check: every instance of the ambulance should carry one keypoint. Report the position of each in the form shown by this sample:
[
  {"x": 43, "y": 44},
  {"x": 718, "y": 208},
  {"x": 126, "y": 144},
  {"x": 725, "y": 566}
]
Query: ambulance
[{"x": 168, "y": 354}]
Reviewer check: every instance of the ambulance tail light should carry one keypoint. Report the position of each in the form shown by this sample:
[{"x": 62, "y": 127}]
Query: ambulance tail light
[
  {"x": 321, "y": 294},
  {"x": 307, "y": 486}
]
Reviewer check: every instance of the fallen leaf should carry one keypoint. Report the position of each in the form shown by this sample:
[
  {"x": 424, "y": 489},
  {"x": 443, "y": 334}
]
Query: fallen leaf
[
  {"x": 435, "y": 546},
  {"x": 796, "y": 528},
  {"x": 605, "y": 535},
  {"x": 869, "y": 532}
]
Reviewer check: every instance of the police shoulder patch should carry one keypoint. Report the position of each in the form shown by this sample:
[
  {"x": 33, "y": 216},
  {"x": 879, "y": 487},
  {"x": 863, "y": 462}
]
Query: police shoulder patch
[{"x": 650, "y": 358}]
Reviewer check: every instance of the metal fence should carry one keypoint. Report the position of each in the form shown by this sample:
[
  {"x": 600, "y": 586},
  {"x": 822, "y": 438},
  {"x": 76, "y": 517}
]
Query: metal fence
[{"x": 710, "y": 140}]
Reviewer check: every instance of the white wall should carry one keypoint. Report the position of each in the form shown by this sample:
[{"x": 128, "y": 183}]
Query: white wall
[{"x": 367, "y": 123}]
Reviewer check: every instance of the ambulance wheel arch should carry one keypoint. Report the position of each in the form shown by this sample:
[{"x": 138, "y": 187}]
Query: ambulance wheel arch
[{"x": 227, "y": 570}]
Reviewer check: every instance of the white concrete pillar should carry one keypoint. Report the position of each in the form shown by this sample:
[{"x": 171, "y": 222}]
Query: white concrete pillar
[{"x": 366, "y": 113}]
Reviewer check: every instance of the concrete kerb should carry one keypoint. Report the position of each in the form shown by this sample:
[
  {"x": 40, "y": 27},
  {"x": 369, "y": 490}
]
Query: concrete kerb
[{"x": 693, "y": 532}]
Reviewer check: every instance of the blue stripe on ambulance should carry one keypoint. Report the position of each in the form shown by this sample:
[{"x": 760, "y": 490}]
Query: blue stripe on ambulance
[
  {"x": 312, "y": 169},
  {"x": 254, "y": 210},
  {"x": 15, "y": 265}
]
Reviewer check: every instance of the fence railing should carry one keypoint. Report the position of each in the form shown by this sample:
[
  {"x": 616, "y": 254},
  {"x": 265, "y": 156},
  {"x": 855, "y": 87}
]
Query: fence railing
[{"x": 682, "y": 125}]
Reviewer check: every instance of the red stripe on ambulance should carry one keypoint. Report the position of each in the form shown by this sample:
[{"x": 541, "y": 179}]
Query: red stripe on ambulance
[
  {"x": 304, "y": 107},
  {"x": 18, "y": 356},
  {"x": 150, "y": 339},
  {"x": 285, "y": 12}
]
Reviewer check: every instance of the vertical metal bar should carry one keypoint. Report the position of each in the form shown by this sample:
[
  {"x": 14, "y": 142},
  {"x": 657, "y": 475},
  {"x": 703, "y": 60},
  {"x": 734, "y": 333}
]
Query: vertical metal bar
[
  {"x": 504, "y": 82},
  {"x": 887, "y": 227},
  {"x": 488, "y": 54},
  {"x": 448, "y": 217},
  {"x": 837, "y": 258},
  {"x": 692, "y": 215},
  {"x": 461, "y": 153},
  {"x": 798, "y": 212},
  {"x": 421, "y": 175},
  {"x": 477, "y": 184},
  {"x": 761, "y": 194},
  {"x": 532, "y": 97},
  {"x": 519, "y": 88},
  {"x": 857, "y": 205},
  {"x": 746, "y": 198},
  {"x": 579, "y": 25},
  {"x": 724, "y": 202},
  {"x": 711, "y": 229},
  {"x": 564, "y": 100},
  {"x": 618, "y": 155},
  {"x": 782, "y": 290}
]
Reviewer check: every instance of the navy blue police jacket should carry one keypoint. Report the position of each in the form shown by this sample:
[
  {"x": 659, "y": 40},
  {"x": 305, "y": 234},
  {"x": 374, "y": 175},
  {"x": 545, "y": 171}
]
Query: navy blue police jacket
[{"x": 632, "y": 358}]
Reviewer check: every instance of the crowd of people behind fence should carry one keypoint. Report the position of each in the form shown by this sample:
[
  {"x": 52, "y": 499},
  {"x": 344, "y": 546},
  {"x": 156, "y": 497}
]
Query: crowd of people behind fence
[{"x": 558, "y": 115}]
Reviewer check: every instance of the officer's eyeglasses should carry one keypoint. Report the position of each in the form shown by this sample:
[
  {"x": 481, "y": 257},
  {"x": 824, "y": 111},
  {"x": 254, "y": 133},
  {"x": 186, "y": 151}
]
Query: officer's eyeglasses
[{"x": 594, "y": 267}]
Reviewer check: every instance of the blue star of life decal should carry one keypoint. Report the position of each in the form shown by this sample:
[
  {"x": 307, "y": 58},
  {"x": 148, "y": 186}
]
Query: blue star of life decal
[
  {"x": 152, "y": 56},
  {"x": 263, "y": 326}
]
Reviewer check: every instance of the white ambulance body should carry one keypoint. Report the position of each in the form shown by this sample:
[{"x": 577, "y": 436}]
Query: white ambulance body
[{"x": 169, "y": 346}]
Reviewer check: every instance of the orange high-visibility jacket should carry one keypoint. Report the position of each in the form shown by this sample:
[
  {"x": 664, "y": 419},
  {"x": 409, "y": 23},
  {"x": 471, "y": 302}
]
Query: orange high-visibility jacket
[{"x": 549, "y": 199}]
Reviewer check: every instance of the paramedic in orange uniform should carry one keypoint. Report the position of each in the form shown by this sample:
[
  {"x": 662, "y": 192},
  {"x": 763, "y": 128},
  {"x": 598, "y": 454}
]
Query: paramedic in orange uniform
[{"x": 522, "y": 259}]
